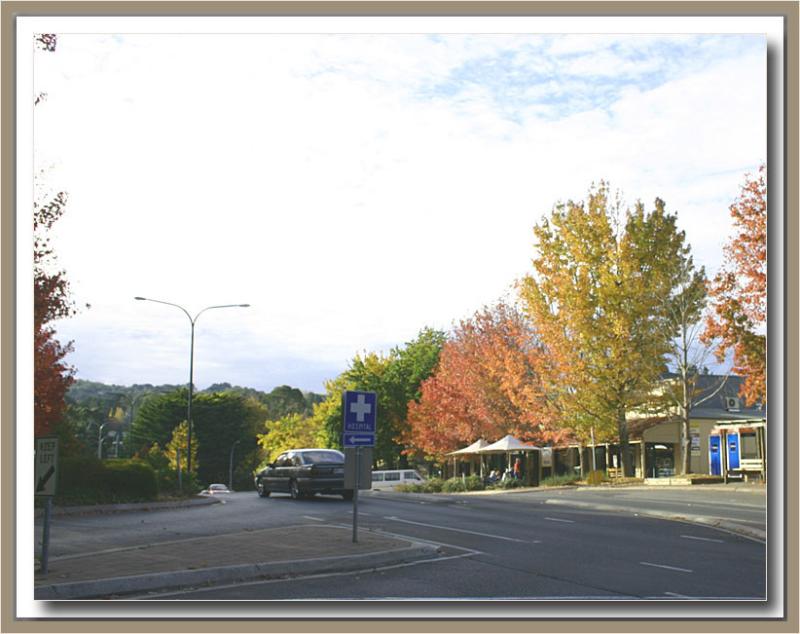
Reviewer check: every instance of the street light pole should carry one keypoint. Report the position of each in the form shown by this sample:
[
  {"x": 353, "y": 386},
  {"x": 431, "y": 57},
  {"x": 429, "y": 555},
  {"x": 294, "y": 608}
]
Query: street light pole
[
  {"x": 100, "y": 441},
  {"x": 230, "y": 466},
  {"x": 192, "y": 321}
]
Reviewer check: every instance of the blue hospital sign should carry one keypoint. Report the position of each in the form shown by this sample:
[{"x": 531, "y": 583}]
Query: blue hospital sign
[{"x": 360, "y": 412}]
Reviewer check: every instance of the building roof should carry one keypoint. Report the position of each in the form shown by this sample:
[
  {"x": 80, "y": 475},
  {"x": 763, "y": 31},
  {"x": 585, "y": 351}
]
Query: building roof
[{"x": 716, "y": 407}]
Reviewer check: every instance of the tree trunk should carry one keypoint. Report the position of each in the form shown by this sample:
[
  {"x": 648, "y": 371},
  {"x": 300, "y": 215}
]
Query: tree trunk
[
  {"x": 581, "y": 461},
  {"x": 628, "y": 470},
  {"x": 686, "y": 442}
]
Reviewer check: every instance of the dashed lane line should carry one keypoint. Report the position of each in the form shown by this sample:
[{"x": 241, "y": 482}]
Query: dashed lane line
[
  {"x": 556, "y": 519},
  {"x": 704, "y": 539},
  {"x": 462, "y": 530},
  {"x": 664, "y": 566}
]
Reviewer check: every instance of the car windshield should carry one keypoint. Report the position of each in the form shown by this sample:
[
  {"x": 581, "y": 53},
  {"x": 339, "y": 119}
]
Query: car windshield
[{"x": 316, "y": 457}]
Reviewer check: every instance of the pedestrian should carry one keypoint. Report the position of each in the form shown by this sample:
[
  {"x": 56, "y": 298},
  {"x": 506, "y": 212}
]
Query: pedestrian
[{"x": 517, "y": 469}]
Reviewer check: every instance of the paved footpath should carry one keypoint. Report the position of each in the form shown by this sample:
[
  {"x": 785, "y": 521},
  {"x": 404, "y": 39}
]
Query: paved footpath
[{"x": 246, "y": 555}]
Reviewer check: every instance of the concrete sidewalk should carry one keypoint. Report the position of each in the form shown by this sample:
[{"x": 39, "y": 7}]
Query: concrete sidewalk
[{"x": 249, "y": 555}]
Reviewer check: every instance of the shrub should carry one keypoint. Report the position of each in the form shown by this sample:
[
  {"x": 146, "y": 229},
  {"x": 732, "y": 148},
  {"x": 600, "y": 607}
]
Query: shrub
[
  {"x": 92, "y": 481},
  {"x": 508, "y": 483},
  {"x": 469, "y": 483},
  {"x": 560, "y": 480},
  {"x": 595, "y": 477},
  {"x": 434, "y": 485}
]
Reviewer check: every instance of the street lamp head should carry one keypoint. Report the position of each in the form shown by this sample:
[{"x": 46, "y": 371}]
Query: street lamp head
[
  {"x": 244, "y": 305},
  {"x": 140, "y": 298}
]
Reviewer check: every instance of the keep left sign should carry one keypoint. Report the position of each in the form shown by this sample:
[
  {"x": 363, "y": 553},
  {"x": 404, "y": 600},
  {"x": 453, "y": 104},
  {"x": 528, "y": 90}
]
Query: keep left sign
[{"x": 45, "y": 466}]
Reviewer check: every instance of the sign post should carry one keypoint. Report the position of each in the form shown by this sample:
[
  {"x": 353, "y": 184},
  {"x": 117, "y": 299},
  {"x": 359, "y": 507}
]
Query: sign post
[
  {"x": 45, "y": 475},
  {"x": 358, "y": 430}
]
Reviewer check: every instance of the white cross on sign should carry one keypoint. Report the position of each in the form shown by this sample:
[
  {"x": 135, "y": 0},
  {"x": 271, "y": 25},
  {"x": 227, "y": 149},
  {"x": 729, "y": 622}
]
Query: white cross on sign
[{"x": 360, "y": 408}]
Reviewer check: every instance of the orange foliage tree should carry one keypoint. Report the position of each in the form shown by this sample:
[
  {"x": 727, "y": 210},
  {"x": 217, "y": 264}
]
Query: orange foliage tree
[
  {"x": 486, "y": 385},
  {"x": 739, "y": 291}
]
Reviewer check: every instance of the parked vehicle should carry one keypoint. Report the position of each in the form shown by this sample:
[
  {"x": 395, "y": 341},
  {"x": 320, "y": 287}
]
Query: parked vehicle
[
  {"x": 215, "y": 489},
  {"x": 303, "y": 472},
  {"x": 382, "y": 480}
]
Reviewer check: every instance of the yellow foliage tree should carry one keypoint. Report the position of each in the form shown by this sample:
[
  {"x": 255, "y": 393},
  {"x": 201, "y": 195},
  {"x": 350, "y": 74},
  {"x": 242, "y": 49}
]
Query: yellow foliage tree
[
  {"x": 599, "y": 299},
  {"x": 293, "y": 431},
  {"x": 177, "y": 444}
]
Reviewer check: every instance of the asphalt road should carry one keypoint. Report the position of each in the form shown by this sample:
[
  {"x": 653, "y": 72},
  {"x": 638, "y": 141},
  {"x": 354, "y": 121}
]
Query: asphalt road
[{"x": 502, "y": 546}]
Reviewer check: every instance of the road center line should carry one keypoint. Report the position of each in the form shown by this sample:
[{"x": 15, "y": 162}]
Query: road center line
[
  {"x": 461, "y": 530},
  {"x": 647, "y": 563},
  {"x": 703, "y": 539},
  {"x": 555, "y": 519}
]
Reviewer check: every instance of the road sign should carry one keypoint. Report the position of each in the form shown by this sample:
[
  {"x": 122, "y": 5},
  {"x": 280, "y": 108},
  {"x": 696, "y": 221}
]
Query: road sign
[
  {"x": 45, "y": 466},
  {"x": 358, "y": 440},
  {"x": 360, "y": 411},
  {"x": 364, "y": 468}
]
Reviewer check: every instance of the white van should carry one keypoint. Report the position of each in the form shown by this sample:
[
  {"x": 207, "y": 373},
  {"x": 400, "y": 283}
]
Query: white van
[{"x": 382, "y": 480}]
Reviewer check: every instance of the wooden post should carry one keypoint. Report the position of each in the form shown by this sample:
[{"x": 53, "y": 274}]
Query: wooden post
[
  {"x": 762, "y": 449},
  {"x": 723, "y": 441}
]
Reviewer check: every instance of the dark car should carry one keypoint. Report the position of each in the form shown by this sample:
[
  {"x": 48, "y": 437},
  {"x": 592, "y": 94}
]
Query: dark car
[{"x": 302, "y": 472}]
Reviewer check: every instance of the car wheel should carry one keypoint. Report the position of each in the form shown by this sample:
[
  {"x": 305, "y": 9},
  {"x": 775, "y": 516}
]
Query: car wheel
[
  {"x": 294, "y": 491},
  {"x": 262, "y": 492},
  {"x": 347, "y": 495}
]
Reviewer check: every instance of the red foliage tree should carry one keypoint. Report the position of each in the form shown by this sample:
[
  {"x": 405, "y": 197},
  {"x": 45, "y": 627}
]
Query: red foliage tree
[
  {"x": 51, "y": 301},
  {"x": 486, "y": 385},
  {"x": 739, "y": 291},
  {"x": 52, "y": 376}
]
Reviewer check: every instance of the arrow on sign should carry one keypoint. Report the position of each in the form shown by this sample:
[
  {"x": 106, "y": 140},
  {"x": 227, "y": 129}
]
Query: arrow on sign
[
  {"x": 355, "y": 439},
  {"x": 43, "y": 480}
]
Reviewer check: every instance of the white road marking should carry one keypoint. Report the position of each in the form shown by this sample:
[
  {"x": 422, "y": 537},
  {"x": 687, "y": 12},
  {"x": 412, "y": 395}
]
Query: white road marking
[
  {"x": 555, "y": 519},
  {"x": 311, "y": 517},
  {"x": 322, "y": 575},
  {"x": 472, "y": 551},
  {"x": 678, "y": 596},
  {"x": 647, "y": 563},
  {"x": 461, "y": 530},
  {"x": 703, "y": 539}
]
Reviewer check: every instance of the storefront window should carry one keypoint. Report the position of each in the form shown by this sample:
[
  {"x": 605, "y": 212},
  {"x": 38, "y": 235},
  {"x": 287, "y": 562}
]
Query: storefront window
[{"x": 749, "y": 445}]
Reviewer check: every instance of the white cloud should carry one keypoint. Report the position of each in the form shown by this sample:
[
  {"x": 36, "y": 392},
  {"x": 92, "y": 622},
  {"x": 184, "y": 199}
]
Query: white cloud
[{"x": 332, "y": 184}]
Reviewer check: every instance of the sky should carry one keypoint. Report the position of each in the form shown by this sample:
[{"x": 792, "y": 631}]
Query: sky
[{"x": 355, "y": 188}]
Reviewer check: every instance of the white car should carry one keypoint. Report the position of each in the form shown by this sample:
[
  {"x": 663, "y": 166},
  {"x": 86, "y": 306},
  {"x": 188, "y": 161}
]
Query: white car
[
  {"x": 215, "y": 489},
  {"x": 383, "y": 480}
]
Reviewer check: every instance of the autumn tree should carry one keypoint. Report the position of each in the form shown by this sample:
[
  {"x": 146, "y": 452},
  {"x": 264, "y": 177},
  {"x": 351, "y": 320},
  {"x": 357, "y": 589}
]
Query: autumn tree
[
  {"x": 486, "y": 385},
  {"x": 598, "y": 299},
  {"x": 739, "y": 291},
  {"x": 175, "y": 450},
  {"x": 51, "y": 301}
]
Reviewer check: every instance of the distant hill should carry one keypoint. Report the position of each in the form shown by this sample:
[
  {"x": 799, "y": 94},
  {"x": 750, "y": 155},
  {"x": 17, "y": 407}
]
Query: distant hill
[{"x": 279, "y": 402}]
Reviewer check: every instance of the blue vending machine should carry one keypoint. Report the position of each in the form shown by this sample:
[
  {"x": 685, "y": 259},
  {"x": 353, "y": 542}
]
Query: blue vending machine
[
  {"x": 733, "y": 451},
  {"x": 714, "y": 457}
]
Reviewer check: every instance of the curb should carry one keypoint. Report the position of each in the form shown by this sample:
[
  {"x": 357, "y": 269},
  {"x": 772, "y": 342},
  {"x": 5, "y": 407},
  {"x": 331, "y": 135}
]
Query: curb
[
  {"x": 99, "y": 509},
  {"x": 731, "y": 527},
  {"x": 98, "y": 588}
]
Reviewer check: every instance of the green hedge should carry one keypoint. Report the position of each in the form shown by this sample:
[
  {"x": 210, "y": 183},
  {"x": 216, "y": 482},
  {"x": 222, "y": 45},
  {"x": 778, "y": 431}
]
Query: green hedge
[
  {"x": 92, "y": 481},
  {"x": 560, "y": 480},
  {"x": 434, "y": 485}
]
